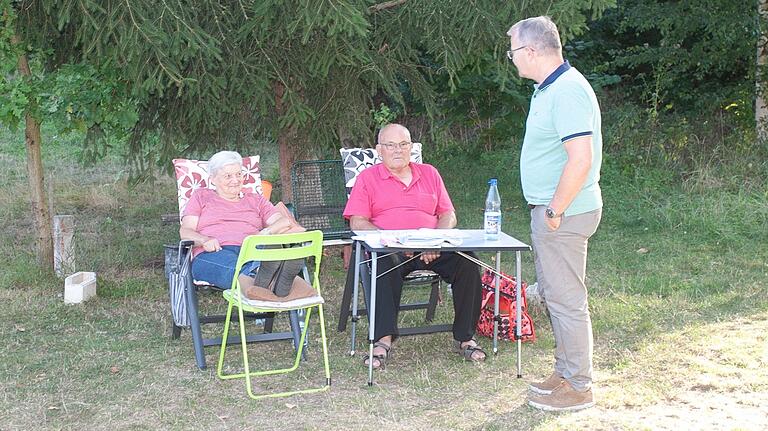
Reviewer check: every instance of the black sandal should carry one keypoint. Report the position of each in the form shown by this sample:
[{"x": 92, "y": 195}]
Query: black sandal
[
  {"x": 468, "y": 350},
  {"x": 381, "y": 357}
]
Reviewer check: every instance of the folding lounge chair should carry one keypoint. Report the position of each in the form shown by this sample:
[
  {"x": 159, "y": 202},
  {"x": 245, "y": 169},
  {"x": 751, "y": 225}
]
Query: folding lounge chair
[{"x": 191, "y": 175}]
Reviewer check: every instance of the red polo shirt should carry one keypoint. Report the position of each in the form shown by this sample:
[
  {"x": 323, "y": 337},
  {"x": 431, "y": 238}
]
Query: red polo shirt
[{"x": 389, "y": 204}]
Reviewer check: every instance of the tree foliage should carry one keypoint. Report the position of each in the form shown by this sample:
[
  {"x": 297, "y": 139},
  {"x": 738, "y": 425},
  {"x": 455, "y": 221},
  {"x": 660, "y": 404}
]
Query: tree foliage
[
  {"x": 78, "y": 96},
  {"x": 203, "y": 74},
  {"x": 186, "y": 77},
  {"x": 686, "y": 56}
]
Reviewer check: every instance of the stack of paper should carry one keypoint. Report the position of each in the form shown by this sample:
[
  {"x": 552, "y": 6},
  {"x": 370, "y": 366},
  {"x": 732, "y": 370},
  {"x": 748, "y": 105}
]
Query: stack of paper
[{"x": 421, "y": 238}]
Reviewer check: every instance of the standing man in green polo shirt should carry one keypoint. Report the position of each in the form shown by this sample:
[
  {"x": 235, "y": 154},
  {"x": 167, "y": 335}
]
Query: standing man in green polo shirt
[{"x": 560, "y": 172}]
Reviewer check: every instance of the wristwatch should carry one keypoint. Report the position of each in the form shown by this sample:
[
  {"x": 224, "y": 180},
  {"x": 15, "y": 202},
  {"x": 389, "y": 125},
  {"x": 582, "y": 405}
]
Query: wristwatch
[{"x": 551, "y": 213}]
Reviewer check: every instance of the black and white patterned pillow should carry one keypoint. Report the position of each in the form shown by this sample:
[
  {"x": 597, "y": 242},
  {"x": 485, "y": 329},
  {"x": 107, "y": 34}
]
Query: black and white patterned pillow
[{"x": 355, "y": 160}]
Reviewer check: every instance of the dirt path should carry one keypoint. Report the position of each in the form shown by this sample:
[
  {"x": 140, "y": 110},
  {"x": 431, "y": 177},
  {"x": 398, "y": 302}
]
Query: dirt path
[{"x": 717, "y": 382}]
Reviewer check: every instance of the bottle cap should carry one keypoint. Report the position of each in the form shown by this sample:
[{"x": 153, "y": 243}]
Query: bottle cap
[{"x": 493, "y": 181}]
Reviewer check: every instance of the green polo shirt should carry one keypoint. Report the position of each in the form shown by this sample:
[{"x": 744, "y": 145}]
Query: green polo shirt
[{"x": 563, "y": 107}]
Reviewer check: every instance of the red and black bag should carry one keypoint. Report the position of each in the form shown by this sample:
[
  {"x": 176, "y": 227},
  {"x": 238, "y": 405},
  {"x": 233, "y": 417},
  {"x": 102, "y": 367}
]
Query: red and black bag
[{"x": 507, "y": 308}]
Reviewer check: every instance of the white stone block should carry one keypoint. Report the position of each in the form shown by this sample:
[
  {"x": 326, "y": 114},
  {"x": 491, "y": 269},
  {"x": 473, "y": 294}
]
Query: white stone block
[{"x": 79, "y": 286}]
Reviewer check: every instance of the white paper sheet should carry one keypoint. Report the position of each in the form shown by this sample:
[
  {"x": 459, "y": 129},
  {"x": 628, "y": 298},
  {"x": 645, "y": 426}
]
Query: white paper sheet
[{"x": 413, "y": 238}]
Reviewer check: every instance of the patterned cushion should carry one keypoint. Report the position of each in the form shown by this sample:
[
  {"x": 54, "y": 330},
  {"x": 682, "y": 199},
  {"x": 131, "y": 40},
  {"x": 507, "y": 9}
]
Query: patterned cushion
[
  {"x": 193, "y": 174},
  {"x": 357, "y": 159}
]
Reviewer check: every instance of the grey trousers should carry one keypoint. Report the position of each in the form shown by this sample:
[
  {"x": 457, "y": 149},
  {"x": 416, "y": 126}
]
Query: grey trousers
[{"x": 561, "y": 263}]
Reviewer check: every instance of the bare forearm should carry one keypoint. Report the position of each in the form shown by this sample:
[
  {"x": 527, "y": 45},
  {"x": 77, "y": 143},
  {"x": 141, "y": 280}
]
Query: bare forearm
[
  {"x": 447, "y": 220},
  {"x": 569, "y": 186},
  {"x": 361, "y": 223},
  {"x": 574, "y": 173},
  {"x": 188, "y": 234}
]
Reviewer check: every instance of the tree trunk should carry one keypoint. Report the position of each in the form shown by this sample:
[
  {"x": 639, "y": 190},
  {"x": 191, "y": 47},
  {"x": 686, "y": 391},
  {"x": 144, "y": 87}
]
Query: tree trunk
[
  {"x": 761, "y": 107},
  {"x": 285, "y": 145},
  {"x": 39, "y": 201}
]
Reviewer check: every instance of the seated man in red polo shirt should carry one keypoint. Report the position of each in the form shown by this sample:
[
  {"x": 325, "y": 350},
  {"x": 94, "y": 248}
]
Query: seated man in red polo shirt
[{"x": 398, "y": 194}]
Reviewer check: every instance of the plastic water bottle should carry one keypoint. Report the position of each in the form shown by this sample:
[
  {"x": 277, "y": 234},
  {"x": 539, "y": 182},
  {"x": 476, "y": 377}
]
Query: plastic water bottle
[{"x": 492, "y": 222}]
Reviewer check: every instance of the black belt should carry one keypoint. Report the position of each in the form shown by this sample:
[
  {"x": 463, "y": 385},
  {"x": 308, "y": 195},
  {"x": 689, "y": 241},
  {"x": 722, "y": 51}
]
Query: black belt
[{"x": 530, "y": 206}]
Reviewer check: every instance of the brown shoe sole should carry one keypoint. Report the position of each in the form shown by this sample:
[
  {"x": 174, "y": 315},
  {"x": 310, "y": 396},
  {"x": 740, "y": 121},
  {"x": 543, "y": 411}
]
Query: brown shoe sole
[{"x": 548, "y": 408}]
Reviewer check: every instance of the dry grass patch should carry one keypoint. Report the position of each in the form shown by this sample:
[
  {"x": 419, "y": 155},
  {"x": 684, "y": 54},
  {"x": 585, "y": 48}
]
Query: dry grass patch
[{"x": 704, "y": 377}]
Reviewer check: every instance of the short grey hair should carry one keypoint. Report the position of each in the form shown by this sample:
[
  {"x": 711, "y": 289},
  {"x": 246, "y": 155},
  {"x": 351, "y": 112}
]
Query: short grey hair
[
  {"x": 221, "y": 159},
  {"x": 540, "y": 33}
]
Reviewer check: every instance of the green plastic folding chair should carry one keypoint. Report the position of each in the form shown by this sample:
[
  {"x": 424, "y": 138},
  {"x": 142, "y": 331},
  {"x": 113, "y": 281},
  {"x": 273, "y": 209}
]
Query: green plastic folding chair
[{"x": 295, "y": 246}]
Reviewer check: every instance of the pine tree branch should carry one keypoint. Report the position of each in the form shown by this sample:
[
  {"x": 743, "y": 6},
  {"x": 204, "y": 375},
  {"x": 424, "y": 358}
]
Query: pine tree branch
[
  {"x": 386, "y": 5},
  {"x": 174, "y": 77}
]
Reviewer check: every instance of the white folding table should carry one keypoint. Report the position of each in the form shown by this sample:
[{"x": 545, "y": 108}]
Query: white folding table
[{"x": 473, "y": 240}]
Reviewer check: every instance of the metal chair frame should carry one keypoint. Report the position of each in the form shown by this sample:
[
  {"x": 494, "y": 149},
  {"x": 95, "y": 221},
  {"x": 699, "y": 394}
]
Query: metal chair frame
[
  {"x": 304, "y": 245},
  {"x": 319, "y": 198},
  {"x": 197, "y": 320}
]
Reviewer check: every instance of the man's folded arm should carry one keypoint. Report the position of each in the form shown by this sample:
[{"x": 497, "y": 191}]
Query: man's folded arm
[
  {"x": 361, "y": 223},
  {"x": 446, "y": 220}
]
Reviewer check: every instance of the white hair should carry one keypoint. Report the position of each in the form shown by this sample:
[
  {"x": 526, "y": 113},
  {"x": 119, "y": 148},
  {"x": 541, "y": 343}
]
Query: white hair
[
  {"x": 221, "y": 159},
  {"x": 540, "y": 33}
]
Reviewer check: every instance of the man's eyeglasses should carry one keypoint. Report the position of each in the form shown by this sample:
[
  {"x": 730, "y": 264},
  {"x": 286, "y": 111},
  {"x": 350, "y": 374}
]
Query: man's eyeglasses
[
  {"x": 236, "y": 175},
  {"x": 392, "y": 145},
  {"x": 511, "y": 52}
]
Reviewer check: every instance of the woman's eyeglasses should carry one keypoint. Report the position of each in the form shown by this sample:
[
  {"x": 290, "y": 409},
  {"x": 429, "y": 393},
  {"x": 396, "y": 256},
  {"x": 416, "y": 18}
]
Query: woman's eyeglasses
[{"x": 232, "y": 176}]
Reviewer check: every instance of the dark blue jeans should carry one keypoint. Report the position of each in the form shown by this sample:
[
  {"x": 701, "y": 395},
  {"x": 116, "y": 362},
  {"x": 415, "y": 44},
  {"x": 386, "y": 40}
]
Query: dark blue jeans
[{"x": 218, "y": 267}]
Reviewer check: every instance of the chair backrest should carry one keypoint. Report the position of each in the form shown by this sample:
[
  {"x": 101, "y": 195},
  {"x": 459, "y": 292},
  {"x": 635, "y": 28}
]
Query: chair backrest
[
  {"x": 193, "y": 174},
  {"x": 319, "y": 197},
  {"x": 295, "y": 246},
  {"x": 356, "y": 160}
]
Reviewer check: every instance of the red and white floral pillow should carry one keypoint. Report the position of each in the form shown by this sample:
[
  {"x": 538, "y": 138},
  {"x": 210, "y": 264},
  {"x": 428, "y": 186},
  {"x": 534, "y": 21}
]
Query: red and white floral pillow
[{"x": 193, "y": 174}]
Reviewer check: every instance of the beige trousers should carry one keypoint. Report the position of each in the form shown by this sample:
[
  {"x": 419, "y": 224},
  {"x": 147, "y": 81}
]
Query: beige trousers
[{"x": 561, "y": 264}]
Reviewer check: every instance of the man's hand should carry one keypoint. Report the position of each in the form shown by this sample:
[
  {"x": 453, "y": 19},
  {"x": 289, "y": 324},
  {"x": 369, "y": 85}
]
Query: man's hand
[
  {"x": 429, "y": 256},
  {"x": 553, "y": 223}
]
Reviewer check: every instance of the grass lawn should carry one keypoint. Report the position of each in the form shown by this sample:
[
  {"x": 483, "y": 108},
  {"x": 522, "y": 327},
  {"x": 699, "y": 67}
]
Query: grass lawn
[{"x": 677, "y": 276}]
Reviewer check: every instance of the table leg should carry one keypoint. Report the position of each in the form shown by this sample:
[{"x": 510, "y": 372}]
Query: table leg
[
  {"x": 372, "y": 316},
  {"x": 496, "y": 316},
  {"x": 355, "y": 292},
  {"x": 519, "y": 314}
]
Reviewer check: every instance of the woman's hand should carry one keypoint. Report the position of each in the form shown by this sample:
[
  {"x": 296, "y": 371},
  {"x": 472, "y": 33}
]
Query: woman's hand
[{"x": 211, "y": 245}]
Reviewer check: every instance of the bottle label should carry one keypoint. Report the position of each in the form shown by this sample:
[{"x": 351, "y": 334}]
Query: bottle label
[{"x": 492, "y": 222}]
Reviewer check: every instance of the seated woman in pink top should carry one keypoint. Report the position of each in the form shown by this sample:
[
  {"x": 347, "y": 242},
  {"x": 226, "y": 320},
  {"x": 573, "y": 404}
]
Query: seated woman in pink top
[{"x": 219, "y": 220}]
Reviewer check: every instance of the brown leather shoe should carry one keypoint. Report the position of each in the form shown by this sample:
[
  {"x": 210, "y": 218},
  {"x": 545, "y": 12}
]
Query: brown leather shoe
[
  {"x": 547, "y": 386},
  {"x": 563, "y": 398}
]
